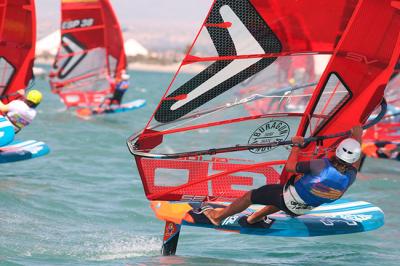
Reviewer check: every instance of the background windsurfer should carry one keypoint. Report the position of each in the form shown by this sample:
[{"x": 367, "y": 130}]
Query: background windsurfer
[
  {"x": 382, "y": 149},
  {"x": 318, "y": 181},
  {"x": 22, "y": 112},
  {"x": 121, "y": 86}
]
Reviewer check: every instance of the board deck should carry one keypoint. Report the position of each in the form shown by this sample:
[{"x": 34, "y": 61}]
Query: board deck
[
  {"x": 23, "y": 150},
  {"x": 340, "y": 217},
  {"x": 7, "y": 132},
  {"x": 125, "y": 107}
]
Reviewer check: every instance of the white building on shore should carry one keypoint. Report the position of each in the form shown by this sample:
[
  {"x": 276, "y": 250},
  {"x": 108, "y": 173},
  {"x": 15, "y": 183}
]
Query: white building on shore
[
  {"x": 49, "y": 44},
  {"x": 134, "y": 48}
]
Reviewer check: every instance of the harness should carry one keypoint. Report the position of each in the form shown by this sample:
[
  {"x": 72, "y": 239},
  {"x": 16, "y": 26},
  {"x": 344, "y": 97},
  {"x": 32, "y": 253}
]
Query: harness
[
  {"x": 16, "y": 127},
  {"x": 293, "y": 201}
]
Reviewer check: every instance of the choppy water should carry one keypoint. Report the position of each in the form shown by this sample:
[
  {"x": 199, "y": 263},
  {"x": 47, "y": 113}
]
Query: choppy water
[{"x": 84, "y": 204}]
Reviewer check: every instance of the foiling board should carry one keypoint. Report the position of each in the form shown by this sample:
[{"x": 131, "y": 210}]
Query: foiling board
[
  {"x": 23, "y": 150},
  {"x": 340, "y": 217},
  {"x": 125, "y": 107}
]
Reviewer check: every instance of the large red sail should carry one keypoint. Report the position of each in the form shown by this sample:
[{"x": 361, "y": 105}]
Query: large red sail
[
  {"x": 17, "y": 46},
  {"x": 91, "y": 55},
  {"x": 202, "y": 143}
]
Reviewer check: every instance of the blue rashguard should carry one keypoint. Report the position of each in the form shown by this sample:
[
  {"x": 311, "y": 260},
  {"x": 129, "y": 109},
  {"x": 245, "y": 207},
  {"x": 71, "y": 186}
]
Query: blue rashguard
[
  {"x": 321, "y": 182},
  {"x": 120, "y": 90}
]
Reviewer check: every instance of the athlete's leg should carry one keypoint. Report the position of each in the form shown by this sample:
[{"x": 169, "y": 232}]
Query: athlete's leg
[
  {"x": 269, "y": 195},
  {"x": 259, "y": 215},
  {"x": 239, "y": 205}
]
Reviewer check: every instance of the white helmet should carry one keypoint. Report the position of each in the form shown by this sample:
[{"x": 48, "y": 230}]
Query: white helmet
[
  {"x": 125, "y": 76},
  {"x": 349, "y": 150}
]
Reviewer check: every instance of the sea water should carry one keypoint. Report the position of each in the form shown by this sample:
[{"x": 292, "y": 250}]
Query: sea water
[{"x": 83, "y": 204}]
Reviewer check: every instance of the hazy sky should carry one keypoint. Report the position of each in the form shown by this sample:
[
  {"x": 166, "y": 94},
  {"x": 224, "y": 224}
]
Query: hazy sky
[{"x": 132, "y": 13}]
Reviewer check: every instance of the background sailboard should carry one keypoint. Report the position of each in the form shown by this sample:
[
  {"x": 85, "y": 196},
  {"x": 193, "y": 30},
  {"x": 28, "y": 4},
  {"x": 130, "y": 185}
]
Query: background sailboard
[
  {"x": 23, "y": 150},
  {"x": 125, "y": 107}
]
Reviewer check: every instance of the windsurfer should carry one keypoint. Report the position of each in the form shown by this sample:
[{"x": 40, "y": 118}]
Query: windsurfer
[
  {"x": 382, "y": 149},
  {"x": 22, "y": 112},
  {"x": 120, "y": 88},
  {"x": 318, "y": 181}
]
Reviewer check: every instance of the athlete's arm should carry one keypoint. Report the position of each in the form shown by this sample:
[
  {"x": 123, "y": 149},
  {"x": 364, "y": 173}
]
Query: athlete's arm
[
  {"x": 21, "y": 93},
  {"x": 3, "y": 107},
  {"x": 356, "y": 133},
  {"x": 294, "y": 154}
]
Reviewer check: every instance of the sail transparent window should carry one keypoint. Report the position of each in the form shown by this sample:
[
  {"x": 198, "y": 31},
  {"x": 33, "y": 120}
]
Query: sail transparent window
[
  {"x": 333, "y": 97},
  {"x": 112, "y": 62},
  {"x": 6, "y": 72}
]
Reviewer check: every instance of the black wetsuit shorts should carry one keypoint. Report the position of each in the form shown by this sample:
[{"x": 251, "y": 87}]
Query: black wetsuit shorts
[
  {"x": 271, "y": 195},
  {"x": 268, "y": 195},
  {"x": 117, "y": 97}
]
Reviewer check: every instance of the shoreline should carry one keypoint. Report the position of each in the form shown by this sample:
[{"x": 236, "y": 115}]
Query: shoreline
[{"x": 171, "y": 68}]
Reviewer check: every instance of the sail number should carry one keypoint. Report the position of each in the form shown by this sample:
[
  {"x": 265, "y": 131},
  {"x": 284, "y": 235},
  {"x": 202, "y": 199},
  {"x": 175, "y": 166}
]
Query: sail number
[
  {"x": 78, "y": 23},
  {"x": 220, "y": 178}
]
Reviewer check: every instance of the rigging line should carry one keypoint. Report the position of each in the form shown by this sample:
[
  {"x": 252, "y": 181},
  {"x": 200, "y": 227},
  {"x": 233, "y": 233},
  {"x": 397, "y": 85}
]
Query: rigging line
[
  {"x": 242, "y": 147},
  {"x": 202, "y": 113},
  {"x": 326, "y": 105},
  {"x": 221, "y": 108},
  {"x": 199, "y": 114},
  {"x": 246, "y": 100}
]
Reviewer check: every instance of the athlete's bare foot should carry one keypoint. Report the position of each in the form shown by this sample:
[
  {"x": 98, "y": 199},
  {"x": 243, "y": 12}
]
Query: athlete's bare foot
[{"x": 212, "y": 215}]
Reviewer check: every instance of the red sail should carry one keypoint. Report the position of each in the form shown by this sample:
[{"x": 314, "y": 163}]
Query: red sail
[
  {"x": 202, "y": 143},
  {"x": 17, "y": 46},
  {"x": 91, "y": 55}
]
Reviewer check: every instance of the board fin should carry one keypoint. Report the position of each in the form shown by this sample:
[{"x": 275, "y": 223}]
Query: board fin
[{"x": 171, "y": 237}]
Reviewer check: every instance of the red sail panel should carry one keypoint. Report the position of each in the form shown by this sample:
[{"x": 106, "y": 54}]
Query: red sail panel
[
  {"x": 243, "y": 46},
  {"x": 91, "y": 55},
  {"x": 17, "y": 46},
  {"x": 388, "y": 130},
  {"x": 392, "y": 92}
]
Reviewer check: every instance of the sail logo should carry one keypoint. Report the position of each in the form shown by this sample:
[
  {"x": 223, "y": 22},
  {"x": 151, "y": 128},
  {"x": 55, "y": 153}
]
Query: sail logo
[
  {"x": 360, "y": 58},
  {"x": 199, "y": 180},
  {"x": 77, "y": 23},
  {"x": 70, "y": 47},
  {"x": 271, "y": 132},
  {"x": 330, "y": 221},
  {"x": 240, "y": 32},
  {"x": 356, "y": 217},
  {"x": 230, "y": 220}
]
